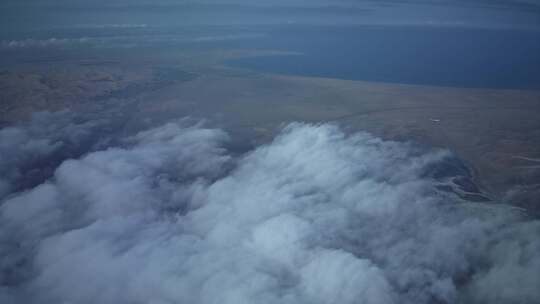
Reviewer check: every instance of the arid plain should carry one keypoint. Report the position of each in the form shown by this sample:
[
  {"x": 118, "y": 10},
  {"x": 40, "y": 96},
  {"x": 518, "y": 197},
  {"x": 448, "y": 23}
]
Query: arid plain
[{"x": 496, "y": 132}]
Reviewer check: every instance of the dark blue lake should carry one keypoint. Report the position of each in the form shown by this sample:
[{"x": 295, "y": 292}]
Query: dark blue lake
[{"x": 457, "y": 57}]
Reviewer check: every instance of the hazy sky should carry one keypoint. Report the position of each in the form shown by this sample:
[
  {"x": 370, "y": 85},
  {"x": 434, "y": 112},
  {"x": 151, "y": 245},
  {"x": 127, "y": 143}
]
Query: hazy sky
[{"x": 39, "y": 14}]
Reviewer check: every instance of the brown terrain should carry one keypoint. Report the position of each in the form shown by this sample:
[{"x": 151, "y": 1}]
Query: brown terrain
[{"x": 496, "y": 132}]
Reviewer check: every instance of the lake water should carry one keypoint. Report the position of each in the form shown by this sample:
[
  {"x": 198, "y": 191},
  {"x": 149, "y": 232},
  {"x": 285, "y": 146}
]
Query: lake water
[{"x": 455, "y": 57}]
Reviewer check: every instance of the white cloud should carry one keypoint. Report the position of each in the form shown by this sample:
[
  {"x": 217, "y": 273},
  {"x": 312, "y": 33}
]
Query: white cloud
[
  {"x": 227, "y": 37},
  {"x": 43, "y": 43},
  {"x": 30, "y": 150},
  {"x": 316, "y": 216}
]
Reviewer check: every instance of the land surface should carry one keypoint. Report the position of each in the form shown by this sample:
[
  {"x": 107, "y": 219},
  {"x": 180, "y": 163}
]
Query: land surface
[{"x": 496, "y": 132}]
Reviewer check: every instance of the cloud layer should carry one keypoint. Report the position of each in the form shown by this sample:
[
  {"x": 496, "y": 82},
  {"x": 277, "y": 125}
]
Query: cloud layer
[
  {"x": 315, "y": 216},
  {"x": 30, "y": 152}
]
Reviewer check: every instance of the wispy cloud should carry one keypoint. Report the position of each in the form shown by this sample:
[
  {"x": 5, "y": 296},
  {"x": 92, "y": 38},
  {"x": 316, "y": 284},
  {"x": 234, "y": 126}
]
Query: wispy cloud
[
  {"x": 43, "y": 43},
  {"x": 112, "y": 26},
  {"x": 226, "y": 37}
]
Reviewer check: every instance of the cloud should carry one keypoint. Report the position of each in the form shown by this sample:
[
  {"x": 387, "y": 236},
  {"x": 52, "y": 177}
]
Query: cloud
[
  {"x": 120, "y": 40},
  {"x": 30, "y": 151},
  {"x": 227, "y": 37},
  {"x": 315, "y": 216},
  {"x": 112, "y": 26},
  {"x": 44, "y": 43}
]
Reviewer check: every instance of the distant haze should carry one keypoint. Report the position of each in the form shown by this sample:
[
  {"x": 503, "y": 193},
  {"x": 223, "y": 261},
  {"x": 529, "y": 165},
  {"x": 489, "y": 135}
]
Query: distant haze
[{"x": 17, "y": 15}]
